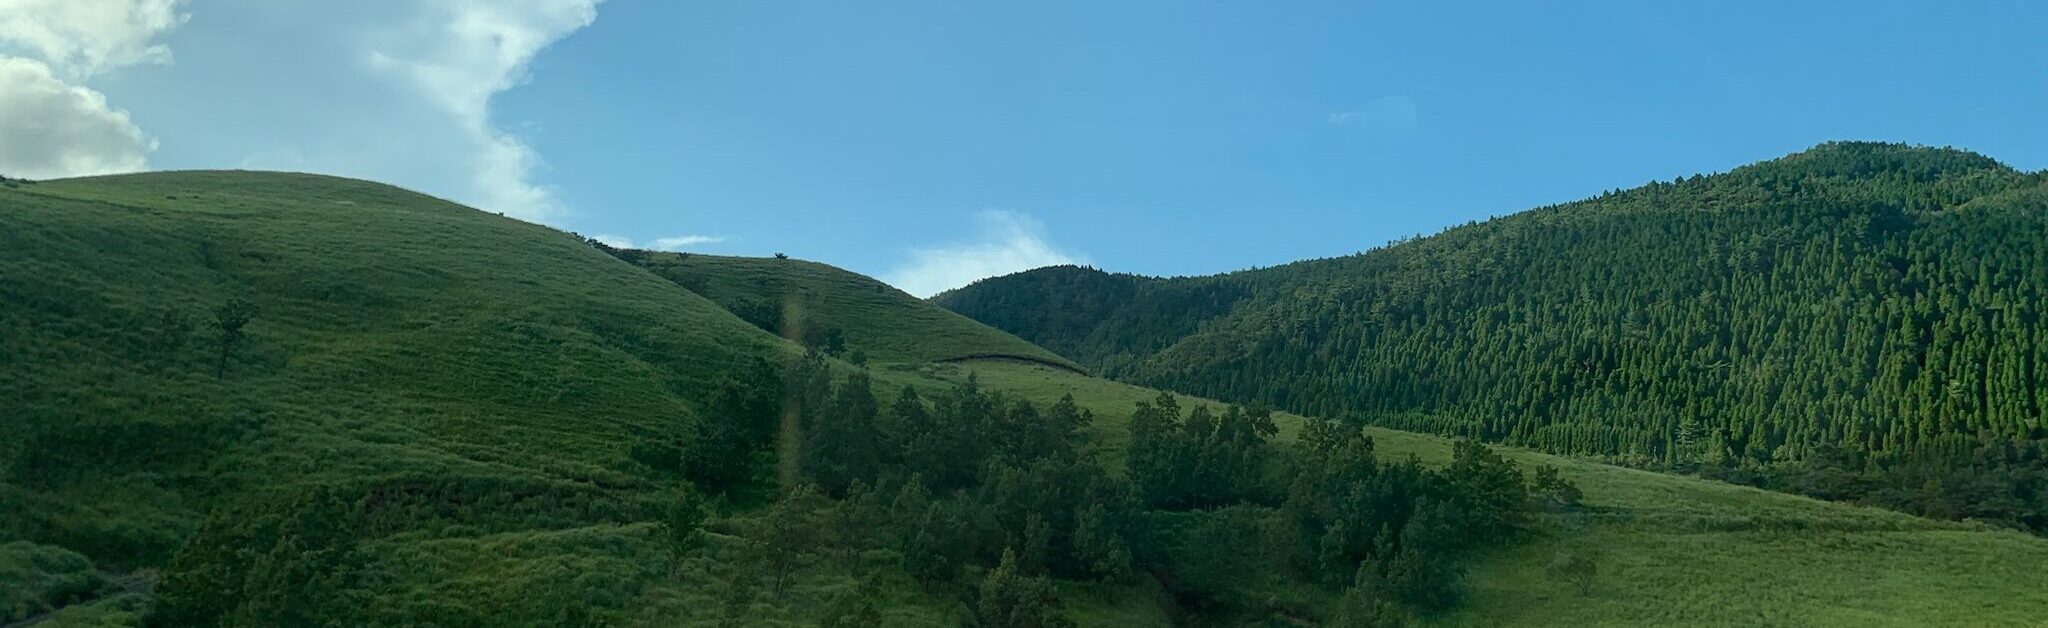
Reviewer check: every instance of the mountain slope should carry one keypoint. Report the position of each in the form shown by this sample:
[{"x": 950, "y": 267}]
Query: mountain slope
[
  {"x": 1673, "y": 550},
  {"x": 1876, "y": 299}
]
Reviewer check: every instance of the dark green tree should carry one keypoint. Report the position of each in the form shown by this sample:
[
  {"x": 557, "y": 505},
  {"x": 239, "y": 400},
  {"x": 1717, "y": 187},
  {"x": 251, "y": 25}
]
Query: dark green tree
[
  {"x": 230, "y": 318},
  {"x": 1011, "y": 599},
  {"x": 683, "y": 527}
]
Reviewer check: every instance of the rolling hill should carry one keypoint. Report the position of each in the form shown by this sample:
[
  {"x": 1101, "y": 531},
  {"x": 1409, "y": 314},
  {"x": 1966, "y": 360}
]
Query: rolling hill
[
  {"x": 468, "y": 387},
  {"x": 435, "y": 415},
  {"x": 1856, "y": 321}
]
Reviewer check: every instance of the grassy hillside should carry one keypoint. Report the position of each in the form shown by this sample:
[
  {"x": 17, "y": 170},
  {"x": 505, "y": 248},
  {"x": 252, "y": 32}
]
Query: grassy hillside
[
  {"x": 465, "y": 388},
  {"x": 1863, "y": 311}
]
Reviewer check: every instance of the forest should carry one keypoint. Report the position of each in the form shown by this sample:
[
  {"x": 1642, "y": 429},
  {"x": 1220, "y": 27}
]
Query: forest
[{"x": 1858, "y": 321}]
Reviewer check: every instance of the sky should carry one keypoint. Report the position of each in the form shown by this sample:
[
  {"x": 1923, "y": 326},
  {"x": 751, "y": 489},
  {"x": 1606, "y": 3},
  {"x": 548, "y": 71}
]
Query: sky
[{"x": 932, "y": 143}]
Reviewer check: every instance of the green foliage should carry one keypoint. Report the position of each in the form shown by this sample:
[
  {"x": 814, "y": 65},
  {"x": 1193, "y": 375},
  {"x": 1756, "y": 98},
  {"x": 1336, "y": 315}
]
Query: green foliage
[
  {"x": 41, "y": 578},
  {"x": 1201, "y": 461},
  {"x": 1100, "y": 548},
  {"x": 684, "y": 527},
  {"x": 230, "y": 318},
  {"x": 287, "y": 559},
  {"x": 1408, "y": 577},
  {"x": 724, "y": 448},
  {"x": 788, "y": 534},
  {"x": 843, "y": 442},
  {"x": 1011, "y": 598},
  {"x": 1552, "y": 491},
  {"x": 854, "y": 609},
  {"x": 1362, "y": 610}
]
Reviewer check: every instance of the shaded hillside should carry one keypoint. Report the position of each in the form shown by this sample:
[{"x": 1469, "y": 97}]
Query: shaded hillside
[{"x": 1850, "y": 301}]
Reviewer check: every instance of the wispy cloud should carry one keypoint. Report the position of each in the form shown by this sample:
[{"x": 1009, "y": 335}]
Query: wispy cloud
[
  {"x": 677, "y": 243},
  {"x": 459, "y": 54},
  {"x": 1008, "y": 242},
  {"x": 53, "y": 124},
  {"x": 1386, "y": 114},
  {"x": 671, "y": 243},
  {"x": 614, "y": 240}
]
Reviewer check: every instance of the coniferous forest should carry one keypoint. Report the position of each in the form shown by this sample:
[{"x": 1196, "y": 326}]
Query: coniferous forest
[{"x": 1858, "y": 321}]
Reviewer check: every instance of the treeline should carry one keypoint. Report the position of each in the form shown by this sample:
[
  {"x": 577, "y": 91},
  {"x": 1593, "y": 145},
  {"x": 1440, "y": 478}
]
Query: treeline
[
  {"x": 1859, "y": 321},
  {"x": 988, "y": 496}
]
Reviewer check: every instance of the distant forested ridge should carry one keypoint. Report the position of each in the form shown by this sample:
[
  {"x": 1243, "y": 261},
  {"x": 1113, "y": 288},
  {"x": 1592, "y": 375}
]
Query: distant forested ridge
[{"x": 1858, "y": 321}]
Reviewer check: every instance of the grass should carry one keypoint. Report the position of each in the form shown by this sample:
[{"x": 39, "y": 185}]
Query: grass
[{"x": 496, "y": 374}]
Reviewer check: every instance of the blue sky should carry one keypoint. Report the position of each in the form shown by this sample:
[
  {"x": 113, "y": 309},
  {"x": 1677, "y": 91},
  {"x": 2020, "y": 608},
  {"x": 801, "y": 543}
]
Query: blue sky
[{"x": 930, "y": 143}]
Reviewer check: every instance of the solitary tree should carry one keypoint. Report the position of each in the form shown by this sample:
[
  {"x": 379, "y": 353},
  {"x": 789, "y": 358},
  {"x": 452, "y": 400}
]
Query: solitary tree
[
  {"x": 230, "y": 317},
  {"x": 1578, "y": 569}
]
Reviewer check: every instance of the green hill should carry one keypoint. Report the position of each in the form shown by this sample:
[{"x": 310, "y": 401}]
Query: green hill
[
  {"x": 467, "y": 390},
  {"x": 1857, "y": 321},
  {"x": 434, "y": 415}
]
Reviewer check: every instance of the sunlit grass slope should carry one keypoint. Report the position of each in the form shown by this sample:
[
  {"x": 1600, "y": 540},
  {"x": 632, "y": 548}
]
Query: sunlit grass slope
[{"x": 1678, "y": 551}]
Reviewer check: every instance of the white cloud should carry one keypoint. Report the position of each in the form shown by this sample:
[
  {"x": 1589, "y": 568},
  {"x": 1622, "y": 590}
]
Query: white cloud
[
  {"x": 51, "y": 123},
  {"x": 677, "y": 243},
  {"x": 671, "y": 243},
  {"x": 1009, "y": 242},
  {"x": 614, "y": 241},
  {"x": 81, "y": 38},
  {"x": 458, "y": 55},
  {"x": 1387, "y": 114},
  {"x": 50, "y": 129}
]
